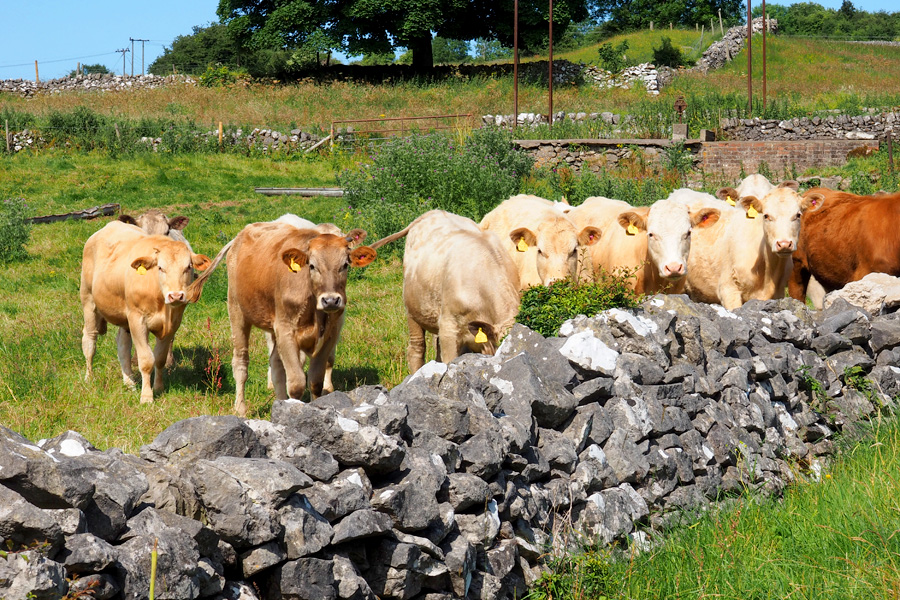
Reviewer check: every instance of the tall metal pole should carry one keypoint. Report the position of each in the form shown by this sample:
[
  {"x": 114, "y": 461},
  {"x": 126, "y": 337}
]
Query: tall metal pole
[
  {"x": 550, "y": 88},
  {"x": 749, "y": 61},
  {"x": 132, "y": 57},
  {"x": 515, "y": 63},
  {"x": 764, "y": 53}
]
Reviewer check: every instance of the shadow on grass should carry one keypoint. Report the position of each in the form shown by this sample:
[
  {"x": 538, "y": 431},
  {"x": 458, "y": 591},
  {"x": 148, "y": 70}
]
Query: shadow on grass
[
  {"x": 348, "y": 379},
  {"x": 198, "y": 367}
]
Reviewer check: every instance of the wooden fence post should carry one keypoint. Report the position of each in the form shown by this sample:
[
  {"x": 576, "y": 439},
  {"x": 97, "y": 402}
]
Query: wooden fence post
[
  {"x": 220, "y": 135},
  {"x": 37, "y": 78},
  {"x": 8, "y": 150}
]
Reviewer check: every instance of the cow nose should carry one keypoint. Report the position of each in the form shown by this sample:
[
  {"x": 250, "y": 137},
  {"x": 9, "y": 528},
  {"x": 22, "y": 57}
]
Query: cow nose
[
  {"x": 674, "y": 268},
  {"x": 174, "y": 297},
  {"x": 784, "y": 245},
  {"x": 330, "y": 303}
]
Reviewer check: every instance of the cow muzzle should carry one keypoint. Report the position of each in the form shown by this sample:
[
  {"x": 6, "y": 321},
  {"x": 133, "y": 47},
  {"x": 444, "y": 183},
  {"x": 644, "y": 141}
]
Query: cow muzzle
[
  {"x": 331, "y": 302},
  {"x": 673, "y": 270},
  {"x": 784, "y": 246},
  {"x": 176, "y": 297}
]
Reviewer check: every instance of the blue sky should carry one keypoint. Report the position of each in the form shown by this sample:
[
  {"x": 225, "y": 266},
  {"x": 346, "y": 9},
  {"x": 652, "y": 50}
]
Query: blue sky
[{"x": 61, "y": 33}]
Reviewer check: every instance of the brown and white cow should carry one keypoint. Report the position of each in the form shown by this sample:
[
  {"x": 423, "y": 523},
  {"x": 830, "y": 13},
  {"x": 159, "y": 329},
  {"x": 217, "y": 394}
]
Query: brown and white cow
[
  {"x": 141, "y": 283},
  {"x": 459, "y": 283},
  {"x": 653, "y": 241},
  {"x": 291, "y": 283},
  {"x": 541, "y": 240},
  {"x": 847, "y": 238},
  {"x": 746, "y": 255}
]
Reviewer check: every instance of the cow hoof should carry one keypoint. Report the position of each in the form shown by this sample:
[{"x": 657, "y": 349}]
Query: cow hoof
[
  {"x": 129, "y": 383},
  {"x": 146, "y": 399},
  {"x": 240, "y": 409}
]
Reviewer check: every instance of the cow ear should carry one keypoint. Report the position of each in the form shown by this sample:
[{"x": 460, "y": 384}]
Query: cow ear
[
  {"x": 728, "y": 192},
  {"x": 179, "y": 222},
  {"x": 523, "y": 234},
  {"x": 355, "y": 237},
  {"x": 790, "y": 183},
  {"x": 748, "y": 202},
  {"x": 813, "y": 201},
  {"x": 128, "y": 219},
  {"x": 632, "y": 219},
  {"x": 589, "y": 236},
  {"x": 147, "y": 262},
  {"x": 200, "y": 261},
  {"x": 295, "y": 259},
  {"x": 362, "y": 256},
  {"x": 705, "y": 217}
]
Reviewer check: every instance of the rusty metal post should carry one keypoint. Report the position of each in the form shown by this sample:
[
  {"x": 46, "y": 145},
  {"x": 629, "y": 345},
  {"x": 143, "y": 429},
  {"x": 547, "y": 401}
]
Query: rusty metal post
[
  {"x": 515, "y": 64},
  {"x": 764, "y": 53},
  {"x": 550, "y": 81},
  {"x": 749, "y": 60},
  {"x": 890, "y": 142}
]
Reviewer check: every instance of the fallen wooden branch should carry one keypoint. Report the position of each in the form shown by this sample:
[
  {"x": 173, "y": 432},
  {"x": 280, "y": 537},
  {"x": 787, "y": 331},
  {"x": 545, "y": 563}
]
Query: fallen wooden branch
[
  {"x": 88, "y": 213},
  {"x": 268, "y": 191}
]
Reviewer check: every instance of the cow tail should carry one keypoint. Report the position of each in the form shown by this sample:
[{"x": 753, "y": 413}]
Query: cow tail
[
  {"x": 392, "y": 237},
  {"x": 193, "y": 292}
]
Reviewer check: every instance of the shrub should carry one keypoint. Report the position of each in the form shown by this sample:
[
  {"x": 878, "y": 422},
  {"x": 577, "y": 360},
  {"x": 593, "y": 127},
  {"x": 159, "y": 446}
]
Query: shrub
[
  {"x": 667, "y": 55},
  {"x": 220, "y": 76},
  {"x": 14, "y": 231},
  {"x": 409, "y": 176},
  {"x": 545, "y": 308},
  {"x": 612, "y": 58}
]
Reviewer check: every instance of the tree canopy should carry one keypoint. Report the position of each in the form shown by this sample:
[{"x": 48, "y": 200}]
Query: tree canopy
[
  {"x": 812, "y": 19},
  {"x": 628, "y": 15},
  {"x": 380, "y": 26}
]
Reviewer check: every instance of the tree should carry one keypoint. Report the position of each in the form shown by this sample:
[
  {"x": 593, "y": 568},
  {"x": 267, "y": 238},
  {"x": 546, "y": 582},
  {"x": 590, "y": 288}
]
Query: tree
[
  {"x": 91, "y": 70},
  {"x": 449, "y": 52},
  {"x": 486, "y": 49},
  {"x": 628, "y": 15},
  {"x": 380, "y": 26},
  {"x": 193, "y": 53}
]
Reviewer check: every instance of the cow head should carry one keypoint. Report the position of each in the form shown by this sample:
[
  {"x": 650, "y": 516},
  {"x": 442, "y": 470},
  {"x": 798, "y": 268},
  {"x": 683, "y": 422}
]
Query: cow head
[
  {"x": 154, "y": 222},
  {"x": 555, "y": 246},
  {"x": 173, "y": 265},
  {"x": 667, "y": 225},
  {"x": 327, "y": 261},
  {"x": 781, "y": 210}
]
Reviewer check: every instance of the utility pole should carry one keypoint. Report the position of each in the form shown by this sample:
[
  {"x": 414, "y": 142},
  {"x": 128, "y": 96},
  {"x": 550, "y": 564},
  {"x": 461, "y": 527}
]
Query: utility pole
[
  {"x": 764, "y": 52},
  {"x": 123, "y": 51},
  {"x": 142, "y": 53},
  {"x": 749, "y": 61},
  {"x": 515, "y": 63},
  {"x": 132, "y": 56},
  {"x": 550, "y": 80}
]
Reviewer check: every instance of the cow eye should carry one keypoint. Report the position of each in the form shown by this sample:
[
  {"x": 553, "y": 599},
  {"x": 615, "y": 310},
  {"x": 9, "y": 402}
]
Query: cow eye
[
  {"x": 799, "y": 214},
  {"x": 540, "y": 252},
  {"x": 650, "y": 235},
  {"x": 161, "y": 270},
  {"x": 767, "y": 217},
  {"x": 312, "y": 267}
]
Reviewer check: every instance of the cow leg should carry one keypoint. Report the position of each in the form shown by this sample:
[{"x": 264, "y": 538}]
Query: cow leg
[
  {"x": 123, "y": 349},
  {"x": 93, "y": 324},
  {"x": 161, "y": 353},
  {"x": 290, "y": 357},
  {"x": 320, "y": 365},
  {"x": 816, "y": 293},
  {"x": 415, "y": 350},
  {"x": 276, "y": 370},
  {"x": 731, "y": 298},
  {"x": 140, "y": 337},
  {"x": 240, "y": 339},
  {"x": 328, "y": 385},
  {"x": 448, "y": 338},
  {"x": 270, "y": 345},
  {"x": 798, "y": 281}
]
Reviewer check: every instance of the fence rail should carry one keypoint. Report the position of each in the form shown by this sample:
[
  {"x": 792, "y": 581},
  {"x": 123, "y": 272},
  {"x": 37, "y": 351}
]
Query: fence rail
[{"x": 402, "y": 121}]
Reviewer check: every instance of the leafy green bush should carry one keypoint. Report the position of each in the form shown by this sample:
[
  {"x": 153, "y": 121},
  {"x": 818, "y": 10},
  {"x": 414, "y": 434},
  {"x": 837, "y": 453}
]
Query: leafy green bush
[
  {"x": 545, "y": 308},
  {"x": 14, "y": 231},
  {"x": 409, "y": 176},
  {"x": 668, "y": 55},
  {"x": 221, "y": 76},
  {"x": 612, "y": 58},
  {"x": 635, "y": 190}
]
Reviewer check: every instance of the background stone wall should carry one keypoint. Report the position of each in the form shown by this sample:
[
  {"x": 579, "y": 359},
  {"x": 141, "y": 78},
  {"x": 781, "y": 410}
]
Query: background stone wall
[
  {"x": 731, "y": 158},
  {"x": 464, "y": 479}
]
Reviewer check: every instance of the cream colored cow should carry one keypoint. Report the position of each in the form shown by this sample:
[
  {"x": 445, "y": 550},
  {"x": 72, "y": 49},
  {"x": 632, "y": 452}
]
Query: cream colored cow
[
  {"x": 747, "y": 254},
  {"x": 541, "y": 240},
  {"x": 653, "y": 241}
]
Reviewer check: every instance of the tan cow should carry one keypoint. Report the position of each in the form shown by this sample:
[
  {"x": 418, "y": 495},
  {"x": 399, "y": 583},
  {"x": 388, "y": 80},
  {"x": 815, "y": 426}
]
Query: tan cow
[
  {"x": 541, "y": 240},
  {"x": 292, "y": 283},
  {"x": 141, "y": 283},
  {"x": 653, "y": 241},
  {"x": 747, "y": 254},
  {"x": 459, "y": 284},
  {"x": 154, "y": 222}
]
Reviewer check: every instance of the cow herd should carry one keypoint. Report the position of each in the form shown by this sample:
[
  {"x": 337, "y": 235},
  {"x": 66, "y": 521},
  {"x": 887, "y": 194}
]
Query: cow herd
[{"x": 462, "y": 280}]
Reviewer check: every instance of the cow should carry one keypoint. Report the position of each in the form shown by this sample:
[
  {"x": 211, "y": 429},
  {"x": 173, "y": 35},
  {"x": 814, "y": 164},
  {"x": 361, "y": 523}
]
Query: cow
[
  {"x": 301, "y": 223},
  {"x": 651, "y": 241},
  {"x": 847, "y": 238},
  {"x": 747, "y": 254},
  {"x": 154, "y": 222},
  {"x": 459, "y": 283},
  {"x": 291, "y": 283},
  {"x": 141, "y": 283},
  {"x": 541, "y": 240}
]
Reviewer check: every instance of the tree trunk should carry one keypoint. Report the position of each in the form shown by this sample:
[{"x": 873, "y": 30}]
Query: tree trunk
[{"x": 422, "y": 58}]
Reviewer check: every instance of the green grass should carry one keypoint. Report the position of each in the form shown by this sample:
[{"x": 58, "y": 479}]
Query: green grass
[
  {"x": 641, "y": 44},
  {"x": 42, "y": 388},
  {"x": 836, "y": 538}
]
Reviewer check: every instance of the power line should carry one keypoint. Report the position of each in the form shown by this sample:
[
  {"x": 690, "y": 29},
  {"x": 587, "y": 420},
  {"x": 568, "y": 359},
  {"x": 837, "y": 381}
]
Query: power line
[
  {"x": 58, "y": 60},
  {"x": 123, "y": 51}
]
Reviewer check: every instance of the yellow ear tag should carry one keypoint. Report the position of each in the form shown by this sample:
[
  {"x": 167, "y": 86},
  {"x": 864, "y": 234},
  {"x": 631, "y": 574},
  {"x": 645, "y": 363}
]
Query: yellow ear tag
[
  {"x": 522, "y": 246},
  {"x": 730, "y": 200},
  {"x": 480, "y": 337},
  {"x": 751, "y": 213},
  {"x": 295, "y": 267},
  {"x": 631, "y": 229},
  {"x": 141, "y": 270}
]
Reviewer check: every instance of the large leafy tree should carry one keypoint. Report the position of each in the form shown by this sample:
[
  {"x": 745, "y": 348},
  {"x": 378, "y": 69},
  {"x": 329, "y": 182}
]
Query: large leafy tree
[
  {"x": 627, "y": 15},
  {"x": 193, "y": 53},
  {"x": 379, "y": 26}
]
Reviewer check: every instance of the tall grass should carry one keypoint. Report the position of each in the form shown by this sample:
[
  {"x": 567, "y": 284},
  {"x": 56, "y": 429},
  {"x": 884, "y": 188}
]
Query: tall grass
[{"x": 838, "y": 537}]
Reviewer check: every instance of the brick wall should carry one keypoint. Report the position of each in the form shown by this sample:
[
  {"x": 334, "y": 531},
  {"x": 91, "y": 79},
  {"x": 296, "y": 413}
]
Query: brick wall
[{"x": 729, "y": 158}]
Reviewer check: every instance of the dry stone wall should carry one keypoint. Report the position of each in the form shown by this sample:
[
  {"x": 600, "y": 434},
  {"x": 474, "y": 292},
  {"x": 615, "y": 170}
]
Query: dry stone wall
[
  {"x": 95, "y": 82},
  {"x": 460, "y": 481}
]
